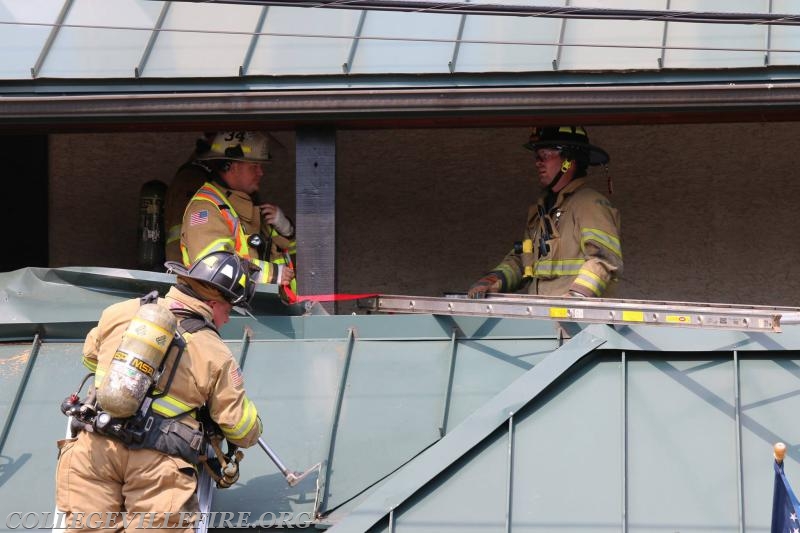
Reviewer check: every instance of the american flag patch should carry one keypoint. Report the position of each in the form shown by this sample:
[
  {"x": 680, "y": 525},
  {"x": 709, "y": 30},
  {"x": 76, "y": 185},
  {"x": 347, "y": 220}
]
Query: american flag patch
[
  {"x": 201, "y": 217},
  {"x": 236, "y": 376}
]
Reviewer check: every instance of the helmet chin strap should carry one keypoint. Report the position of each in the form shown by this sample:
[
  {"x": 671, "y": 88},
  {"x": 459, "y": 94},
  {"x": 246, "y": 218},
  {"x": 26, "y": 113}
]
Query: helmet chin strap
[{"x": 565, "y": 166}]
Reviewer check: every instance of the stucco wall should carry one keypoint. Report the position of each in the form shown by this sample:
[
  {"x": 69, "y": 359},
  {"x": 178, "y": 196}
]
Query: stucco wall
[{"x": 708, "y": 211}]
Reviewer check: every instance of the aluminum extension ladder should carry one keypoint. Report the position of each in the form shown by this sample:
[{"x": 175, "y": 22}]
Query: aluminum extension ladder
[{"x": 605, "y": 311}]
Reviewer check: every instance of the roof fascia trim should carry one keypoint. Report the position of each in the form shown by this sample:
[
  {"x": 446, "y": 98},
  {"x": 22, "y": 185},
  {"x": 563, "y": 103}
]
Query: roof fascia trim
[{"x": 333, "y": 105}]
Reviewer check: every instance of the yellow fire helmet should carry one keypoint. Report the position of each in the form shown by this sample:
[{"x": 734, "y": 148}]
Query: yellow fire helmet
[{"x": 248, "y": 146}]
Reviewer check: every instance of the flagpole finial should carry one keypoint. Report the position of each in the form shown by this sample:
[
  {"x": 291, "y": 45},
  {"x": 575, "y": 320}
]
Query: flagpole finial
[{"x": 780, "y": 451}]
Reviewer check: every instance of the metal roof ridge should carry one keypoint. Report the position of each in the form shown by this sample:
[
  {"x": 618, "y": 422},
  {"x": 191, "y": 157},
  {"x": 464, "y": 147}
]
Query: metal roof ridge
[{"x": 479, "y": 425}]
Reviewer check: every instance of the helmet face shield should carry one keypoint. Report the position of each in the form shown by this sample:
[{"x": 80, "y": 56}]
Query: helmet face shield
[{"x": 571, "y": 141}]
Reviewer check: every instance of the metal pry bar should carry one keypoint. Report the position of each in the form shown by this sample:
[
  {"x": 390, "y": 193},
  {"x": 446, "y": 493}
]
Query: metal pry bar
[{"x": 292, "y": 477}]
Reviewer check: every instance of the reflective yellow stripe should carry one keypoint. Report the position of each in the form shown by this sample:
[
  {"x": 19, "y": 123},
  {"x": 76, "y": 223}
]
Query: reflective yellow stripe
[
  {"x": 238, "y": 241},
  {"x": 170, "y": 406},
  {"x": 591, "y": 281},
  {"x": 148, "y": 335},
  {"x": 98, "y": 377},
  {"x": 246, "y": 423},
  {"x": 91, "y": 364},
  {"x": 215, "y": 196},
  {"x": 174, "y": 234},
  {"x": 553, "y": 268},
  {"x": 601, "y": 237},
  {"x": 266, "y": 270},
  {"x": 218, "y": 245}
]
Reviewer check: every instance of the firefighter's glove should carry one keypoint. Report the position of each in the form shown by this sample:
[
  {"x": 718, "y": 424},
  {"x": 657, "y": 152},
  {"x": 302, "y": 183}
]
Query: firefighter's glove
[
  {"x": 230, "y": 472},
  {"x": 488, "y": 283},
  {"x": 285, "y": 275},
  {"x": 274, "y": 215},
  {"x": 575, "y": 294}
]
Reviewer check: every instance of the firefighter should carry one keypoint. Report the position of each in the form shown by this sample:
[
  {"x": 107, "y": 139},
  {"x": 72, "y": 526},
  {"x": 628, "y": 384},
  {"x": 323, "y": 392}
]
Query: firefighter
[
  {"x": 146, "y": 465},
  {"x": 188, "y": 178},
  {"x": 225, "y": 214},
  {"x": 571, "y": 245}
]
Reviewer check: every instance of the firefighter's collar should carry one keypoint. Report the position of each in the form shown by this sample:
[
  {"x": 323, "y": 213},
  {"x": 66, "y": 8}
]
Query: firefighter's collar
[
  {"x": 567, "y": 191},
  {"x": 189, "y": 302},
  {"x": 570, "y": 188}
]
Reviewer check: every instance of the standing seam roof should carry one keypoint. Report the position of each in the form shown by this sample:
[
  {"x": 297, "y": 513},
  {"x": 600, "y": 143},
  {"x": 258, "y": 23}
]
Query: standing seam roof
[{"x": 123, "y": 39}]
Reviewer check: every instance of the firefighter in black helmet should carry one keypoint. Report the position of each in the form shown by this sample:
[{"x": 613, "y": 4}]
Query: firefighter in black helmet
[
  {"x": 146, "y": 463},
  {"x": 571, "y": 244}
]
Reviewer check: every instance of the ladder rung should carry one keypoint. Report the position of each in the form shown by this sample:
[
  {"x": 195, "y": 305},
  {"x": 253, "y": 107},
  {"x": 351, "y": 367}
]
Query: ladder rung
[{"x": 605, "y": 311}]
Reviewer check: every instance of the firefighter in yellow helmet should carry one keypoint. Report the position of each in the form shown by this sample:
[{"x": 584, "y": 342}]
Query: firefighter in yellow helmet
[
  {"x": 571, "y": 244},
  {"x": 146, "y": 464},
  {"x": 225, "y": 214}
]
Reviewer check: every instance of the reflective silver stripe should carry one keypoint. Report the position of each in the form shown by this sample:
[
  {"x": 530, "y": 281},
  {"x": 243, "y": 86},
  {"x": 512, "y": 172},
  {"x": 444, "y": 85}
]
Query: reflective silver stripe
[
  {"x": 552, "y": 268},
  {"x": 246, "y": 423},
  {"x": 170, "y": 406},
  {"x": 601, "y": 237},
  {"x": 591, "y": 281},
  {"x": 266, "y": 270}
]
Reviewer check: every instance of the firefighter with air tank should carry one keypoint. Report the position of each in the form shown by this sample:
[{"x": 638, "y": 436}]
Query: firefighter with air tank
[{"x": 161, "y": 379}]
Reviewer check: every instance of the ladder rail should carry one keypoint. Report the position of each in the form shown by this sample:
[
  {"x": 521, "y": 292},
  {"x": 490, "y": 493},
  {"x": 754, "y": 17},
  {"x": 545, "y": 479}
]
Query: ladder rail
[
  {"x": 595, "y": 310},
  {"x": 629, "y": 302}
]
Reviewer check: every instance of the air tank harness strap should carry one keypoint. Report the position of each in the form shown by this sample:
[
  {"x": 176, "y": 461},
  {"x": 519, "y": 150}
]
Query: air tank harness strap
[
  {"x": 147, "y": 428},
  {"x": 168, "y": 434},
  {"x": 173, "y": 437}
]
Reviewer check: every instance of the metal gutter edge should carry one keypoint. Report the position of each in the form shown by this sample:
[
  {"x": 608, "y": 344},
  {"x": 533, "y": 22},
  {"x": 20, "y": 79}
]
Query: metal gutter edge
[
  {"x": 401, "y": 104},
  {"x": 469, "y": 433}
]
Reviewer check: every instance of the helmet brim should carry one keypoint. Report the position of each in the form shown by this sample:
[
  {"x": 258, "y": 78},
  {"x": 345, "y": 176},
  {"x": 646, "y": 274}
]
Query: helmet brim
[
  {"x": 244, "y": 311},
  {"x": 222, "y": 157},
  {"x": 174, "y": 267},
  {"x": 597, "y": 156}
]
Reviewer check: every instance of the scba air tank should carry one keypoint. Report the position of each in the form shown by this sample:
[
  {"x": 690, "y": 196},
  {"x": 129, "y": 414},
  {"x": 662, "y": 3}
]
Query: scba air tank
[{"x": 135, "y": 364}]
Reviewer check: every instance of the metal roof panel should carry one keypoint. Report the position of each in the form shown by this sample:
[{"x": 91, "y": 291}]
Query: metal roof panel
[
  {"x": 20, "y": 45},
  {"x": 419, "y": 43},
  {"x": 80, "y": 52},
  {"x": 202, "y": 40},
  {"x": 278, "y": 53},
  {"x": 479, "y": 56},
  {"x": 198, "y": 40}
]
